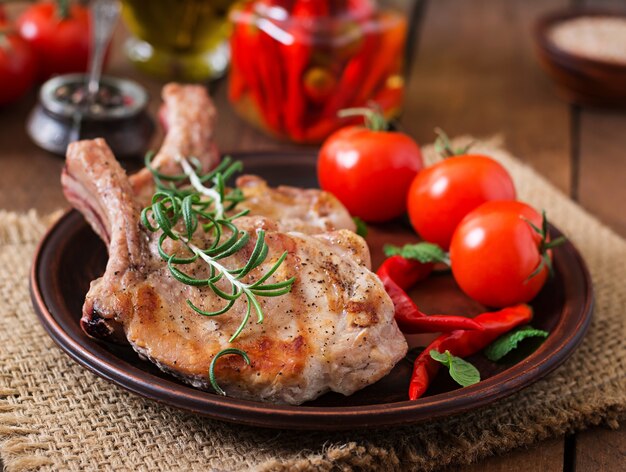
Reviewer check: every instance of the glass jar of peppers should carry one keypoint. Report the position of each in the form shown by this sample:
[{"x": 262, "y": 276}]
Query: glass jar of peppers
[{"x": 296, "y": 63}]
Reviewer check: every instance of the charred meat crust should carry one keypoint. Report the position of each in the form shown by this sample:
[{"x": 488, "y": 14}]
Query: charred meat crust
[{"x": 96, "y": 326}]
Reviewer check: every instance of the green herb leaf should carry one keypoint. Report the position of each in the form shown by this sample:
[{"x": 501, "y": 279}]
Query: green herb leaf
[
  {"x": 191, "y": 202},
  {"x": 461, "y": 371},
  {"x": 443, "y": 357},
  {"x": 505, "y": 344},
  {"x": 361, "y": 227},
  {"x": 203, "y": 207},
  {"x": 224, "y": 352},
  {"x": 423, "y": 252}
]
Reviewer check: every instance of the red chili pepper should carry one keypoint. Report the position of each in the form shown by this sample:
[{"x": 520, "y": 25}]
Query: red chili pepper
[
  {"x": 272, "y": 77},
  {"x": 361, "y": 8},
  {"x": 389, "y": 96},
  {"x": 462, "y": 343},
  {"x": 244, "y": 42},
  {"x": 318, "y": 84},
  {"x": 286, "y": 4},
  {"x": 311, "y": 8},
  {"x": 399, "y": 274},
  {"x": 385, "y": 59},
  {"x": 296, "y": 57},
  {"x": 353, "y": 73}
]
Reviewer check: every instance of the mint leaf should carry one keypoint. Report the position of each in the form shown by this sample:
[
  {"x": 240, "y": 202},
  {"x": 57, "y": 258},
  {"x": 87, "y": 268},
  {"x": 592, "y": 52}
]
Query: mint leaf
[
  {"x": 461, "y": 371},
  {"x": 444, "y": 358},
  {"x": 508, "y": 342},
  {"x": 361, "y": 227},
  {"x": 422, "y": 252}
]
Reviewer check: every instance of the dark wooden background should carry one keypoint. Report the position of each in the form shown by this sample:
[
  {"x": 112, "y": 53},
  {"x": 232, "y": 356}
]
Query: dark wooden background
[{"x": 474, "y": 71}]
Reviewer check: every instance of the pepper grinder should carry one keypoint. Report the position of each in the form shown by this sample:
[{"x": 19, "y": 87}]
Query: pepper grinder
[{"x": 80, "y": 106}]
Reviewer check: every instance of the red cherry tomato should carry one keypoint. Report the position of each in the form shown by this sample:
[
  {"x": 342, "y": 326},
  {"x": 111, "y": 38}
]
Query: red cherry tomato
[
  {"x": 369, "y": 171},
  {"x": 18, "y": 67},
  {"x": 441, "y": 195},
  {"x": 60, "y": 38},
  {"x": 494, "y": 252}
]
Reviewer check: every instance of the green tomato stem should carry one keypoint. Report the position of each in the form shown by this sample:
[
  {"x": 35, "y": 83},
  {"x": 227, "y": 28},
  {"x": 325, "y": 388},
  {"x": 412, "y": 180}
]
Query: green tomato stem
[
  {"x": 64, "y": 9},
  {"x": 374, "y": 119}
]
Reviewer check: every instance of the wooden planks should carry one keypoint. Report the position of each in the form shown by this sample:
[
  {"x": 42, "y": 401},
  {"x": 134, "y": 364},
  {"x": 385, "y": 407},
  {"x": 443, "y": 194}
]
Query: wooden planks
[
  {"x": 601, "y": 155},
  {"x": 602, "y": 166},
  {"x": 476, "y": 73},
  {"x": 601, "y": 450},
  {"x": 545, "y": 457},
  {"x": 30, "y": 176}
]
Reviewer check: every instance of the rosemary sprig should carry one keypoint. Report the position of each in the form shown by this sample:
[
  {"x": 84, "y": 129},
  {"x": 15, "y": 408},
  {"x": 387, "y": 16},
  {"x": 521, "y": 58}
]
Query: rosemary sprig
[
  {"x": 191, "y": 202},
  {"x": 224, "y": 352}
]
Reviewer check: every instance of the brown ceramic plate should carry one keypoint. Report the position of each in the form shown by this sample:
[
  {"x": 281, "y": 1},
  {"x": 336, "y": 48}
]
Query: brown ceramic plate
[{"x": 71, "y": 255}]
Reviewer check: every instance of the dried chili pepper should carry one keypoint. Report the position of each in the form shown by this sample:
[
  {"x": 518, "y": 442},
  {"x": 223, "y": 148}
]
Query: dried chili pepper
[
  {"x": 399, "y": 274},
  {"x": 462, "y": 343}
]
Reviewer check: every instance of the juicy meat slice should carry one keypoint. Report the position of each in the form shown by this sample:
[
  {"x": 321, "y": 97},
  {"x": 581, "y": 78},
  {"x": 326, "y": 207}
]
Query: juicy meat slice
[
  {"x": 334, "y": 331},
  {"x": 295, "y": 209},
  {"x": 189, "y": 115}
]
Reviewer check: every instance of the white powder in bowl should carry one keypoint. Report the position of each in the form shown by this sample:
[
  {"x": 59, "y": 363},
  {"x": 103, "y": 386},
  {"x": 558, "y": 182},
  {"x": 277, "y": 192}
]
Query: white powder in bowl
[{"x": 602, "y": 38}]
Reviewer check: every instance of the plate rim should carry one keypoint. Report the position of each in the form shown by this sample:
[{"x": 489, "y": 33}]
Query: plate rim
[{"x": 174, "y": 394}]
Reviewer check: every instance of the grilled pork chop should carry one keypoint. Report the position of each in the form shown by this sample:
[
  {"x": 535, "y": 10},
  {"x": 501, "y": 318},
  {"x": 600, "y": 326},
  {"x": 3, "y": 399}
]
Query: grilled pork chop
[
  {"x": 294, "y": 209},
  {"x": 334, "y": 331},
  {"x": 190, "y": 116}
]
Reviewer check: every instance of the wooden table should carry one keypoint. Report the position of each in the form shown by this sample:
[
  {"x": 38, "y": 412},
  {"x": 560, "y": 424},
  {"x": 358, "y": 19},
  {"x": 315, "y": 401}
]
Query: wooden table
[{"x": 474, "y": 71}]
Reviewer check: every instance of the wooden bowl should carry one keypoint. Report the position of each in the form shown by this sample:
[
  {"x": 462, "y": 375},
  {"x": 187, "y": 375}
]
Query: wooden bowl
[{"x": 580, "y": 79}]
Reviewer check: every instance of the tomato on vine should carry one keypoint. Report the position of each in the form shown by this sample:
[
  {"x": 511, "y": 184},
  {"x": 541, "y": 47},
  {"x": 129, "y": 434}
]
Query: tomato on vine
[
  {"x": 442, "y": 194},
  {"x": 368, "y": 168},
  {"x": 501, "y": 253}
]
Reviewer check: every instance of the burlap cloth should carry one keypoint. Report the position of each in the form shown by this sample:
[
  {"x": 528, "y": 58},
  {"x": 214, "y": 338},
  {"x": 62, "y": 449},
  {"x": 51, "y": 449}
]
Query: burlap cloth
[{"x": 55, "y": 415}]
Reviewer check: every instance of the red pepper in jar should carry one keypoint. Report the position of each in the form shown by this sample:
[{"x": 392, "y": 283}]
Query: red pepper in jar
[
  {"x": 311, "y": 59},
  {"x": 272, "y": 76},
  {"x": 296, "y": 54},
  {"x": 385, "y": 59},
  {"x": 319, "y": 84},
  {"x": 244, "y": 74},
  {"x": 463, "y": 343},
  {"x": 354, "y": 72},
  {"x": 389, "y": 97},
  {"x": 399, "y": 274}
]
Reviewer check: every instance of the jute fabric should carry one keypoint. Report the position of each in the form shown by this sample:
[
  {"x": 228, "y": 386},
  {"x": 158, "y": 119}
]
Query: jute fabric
[{"x": 55, "y": 415}]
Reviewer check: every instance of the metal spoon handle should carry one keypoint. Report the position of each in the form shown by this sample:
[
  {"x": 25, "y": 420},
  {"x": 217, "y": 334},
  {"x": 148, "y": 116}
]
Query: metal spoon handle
[{"x": 104, "y": 14}]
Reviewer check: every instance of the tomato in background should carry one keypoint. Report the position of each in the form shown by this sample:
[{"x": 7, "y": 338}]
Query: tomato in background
[
  {"x": 18, "y": 66},
  {"x": 369, "y": 169},
  {"x": 497, "y": 257},
  {"x": 442, "y": 194},
  {"x": 59, "y": 33}
]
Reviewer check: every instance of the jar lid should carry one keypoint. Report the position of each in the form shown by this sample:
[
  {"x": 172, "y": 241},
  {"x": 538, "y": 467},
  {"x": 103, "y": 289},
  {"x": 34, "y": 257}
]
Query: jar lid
[{"x": 56, "y": 96}]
